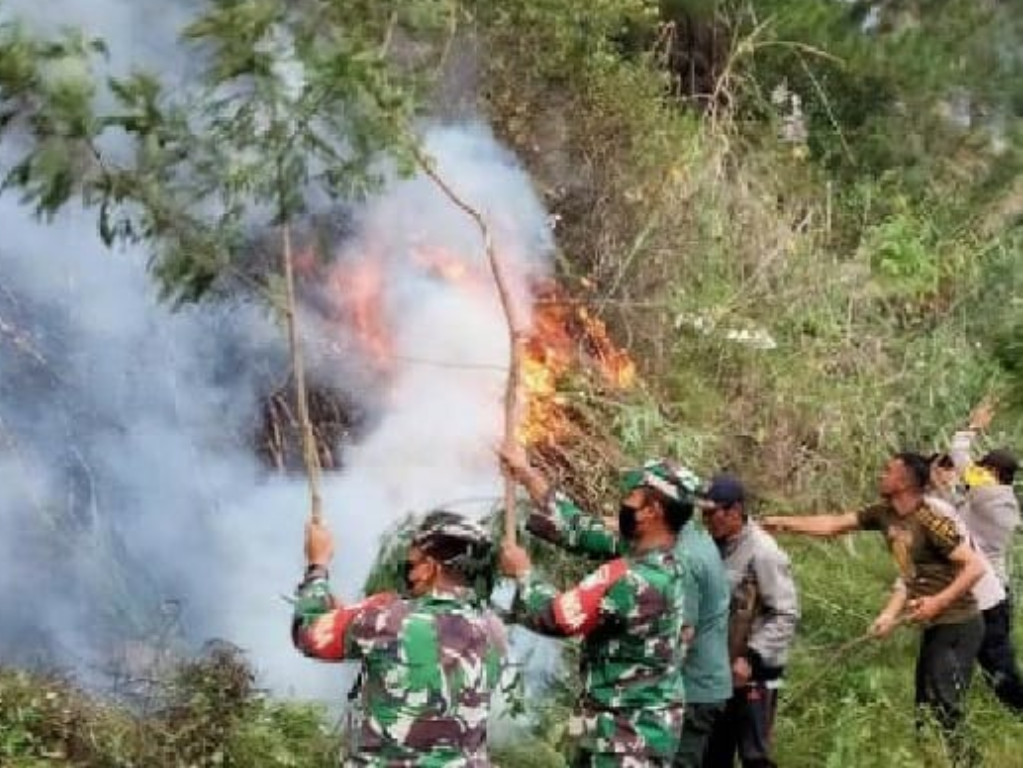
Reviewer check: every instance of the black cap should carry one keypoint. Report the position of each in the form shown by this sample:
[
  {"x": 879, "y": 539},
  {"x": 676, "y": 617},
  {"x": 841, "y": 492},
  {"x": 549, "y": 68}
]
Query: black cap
[
  {"x": 1002, "y": 462},
  {"x": 725, "y": 490}
]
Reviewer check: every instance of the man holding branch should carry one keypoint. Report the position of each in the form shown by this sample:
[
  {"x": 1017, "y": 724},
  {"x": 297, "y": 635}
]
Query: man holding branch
[
  {"x": 430, "y": 661},
  {"x": 939, "y": 568},
  {"x": 628, "y": 612}
]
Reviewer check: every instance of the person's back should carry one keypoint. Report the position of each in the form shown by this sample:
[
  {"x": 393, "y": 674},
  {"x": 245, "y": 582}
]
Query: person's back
[
  {"x": 989, "y": 506},
  {"x": 628, "y": 615},
  {"x": 429, "y": 662},
  {"x": 706, "y": 675},
  {"x": 992, "y": 516},
  {"x": 634, "y": 661},
  {"x": 430, "y": 666}
]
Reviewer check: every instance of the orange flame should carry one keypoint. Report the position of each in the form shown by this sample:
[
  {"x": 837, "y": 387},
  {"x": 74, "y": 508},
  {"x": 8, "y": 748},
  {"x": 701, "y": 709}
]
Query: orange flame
[
  {"x": 559, "y": 339},
  {"x": 361, "y": 285},
  {"x": 441, "y": 263},
  {"x": 565, "y": 337}
]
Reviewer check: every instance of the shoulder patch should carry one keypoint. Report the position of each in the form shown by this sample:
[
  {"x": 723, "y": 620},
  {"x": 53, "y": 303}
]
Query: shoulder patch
[
  {"x": 578, "y": 610},
  {"x": 939, "y": 526}
]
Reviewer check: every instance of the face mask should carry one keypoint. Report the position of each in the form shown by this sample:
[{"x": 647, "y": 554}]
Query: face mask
[
  {"x": 627, "y": 522},
  {"x": 407, "y": 568},
  {"x": 978, "y": 477}
]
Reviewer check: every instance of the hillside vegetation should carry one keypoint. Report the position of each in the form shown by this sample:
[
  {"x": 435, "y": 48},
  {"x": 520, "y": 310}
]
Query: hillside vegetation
[{"x": 803, "y": 220}]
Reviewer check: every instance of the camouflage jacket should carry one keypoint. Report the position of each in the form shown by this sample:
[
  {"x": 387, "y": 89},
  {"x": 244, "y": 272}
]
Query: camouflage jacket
[
  {"x": 629, "y": 615},
  {"x": 429, "y": 665}
]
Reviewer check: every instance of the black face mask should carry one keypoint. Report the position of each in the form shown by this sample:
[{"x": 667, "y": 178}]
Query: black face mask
[
  {"x": 407, "y": 577},
  {"x": 627, "y": 522}
]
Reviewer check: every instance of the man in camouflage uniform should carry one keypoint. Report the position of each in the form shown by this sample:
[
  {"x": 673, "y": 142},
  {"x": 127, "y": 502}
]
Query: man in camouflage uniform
[
  {"x": 429, "y": 661},
  {"x": 628, "y": 612}
]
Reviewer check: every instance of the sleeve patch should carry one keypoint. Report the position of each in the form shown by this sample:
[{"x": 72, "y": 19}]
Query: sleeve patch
[
  {"x": 941, "y": 529},
  {"x": 327, "y": 637},
  {"x": 578, "y": 610}
]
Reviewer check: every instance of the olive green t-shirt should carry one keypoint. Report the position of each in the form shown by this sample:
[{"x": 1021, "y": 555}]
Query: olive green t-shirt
[{"x": 921, "y": 543}]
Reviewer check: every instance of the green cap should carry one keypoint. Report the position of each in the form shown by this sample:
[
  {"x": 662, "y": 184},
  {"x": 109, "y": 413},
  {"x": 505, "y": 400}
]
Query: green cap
[{"x": 675, "y": 482}]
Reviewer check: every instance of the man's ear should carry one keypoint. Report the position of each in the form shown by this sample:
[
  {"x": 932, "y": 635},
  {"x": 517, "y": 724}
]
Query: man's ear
[{"x": 654, "y": 504}]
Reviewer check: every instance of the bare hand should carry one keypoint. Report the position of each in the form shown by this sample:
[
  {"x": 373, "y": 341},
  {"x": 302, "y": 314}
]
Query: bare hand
[
  {"x": 319, "y": 546},
  {"x": 882, "y": 625},
  {"x": 686, "y": 635},
  {"x": 740, "y": 672},
  {"x": 611, "y": 522},
  {"x": 924, "y": 609},
  {"x": 514, "y": 462},
  {"x": 514, "y": 560},
  {"x": 981, "y": 416}
]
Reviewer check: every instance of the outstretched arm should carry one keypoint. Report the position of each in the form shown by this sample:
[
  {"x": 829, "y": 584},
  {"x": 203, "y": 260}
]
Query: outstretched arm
[{"x": 823, "y": 526}]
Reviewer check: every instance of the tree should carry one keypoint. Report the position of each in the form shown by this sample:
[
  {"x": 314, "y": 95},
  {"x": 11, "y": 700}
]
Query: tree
[{"x": 294, "y": 100}]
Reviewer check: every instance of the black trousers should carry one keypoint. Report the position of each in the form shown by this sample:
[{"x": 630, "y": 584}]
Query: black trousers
[
  {"x": 698, "y": 724},
  {"x": 945, "y": 661},
  {"x": 745, "y": 727},
  {"x": 997, "y": 658}
]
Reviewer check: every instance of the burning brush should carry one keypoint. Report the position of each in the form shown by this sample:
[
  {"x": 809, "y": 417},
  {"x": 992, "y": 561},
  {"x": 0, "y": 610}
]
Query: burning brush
[{"x": 566, "y": 342}]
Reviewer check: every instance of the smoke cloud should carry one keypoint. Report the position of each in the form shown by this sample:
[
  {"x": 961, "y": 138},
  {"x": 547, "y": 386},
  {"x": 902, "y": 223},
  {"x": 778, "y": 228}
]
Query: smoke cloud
[{"x": 128, "y": 476}]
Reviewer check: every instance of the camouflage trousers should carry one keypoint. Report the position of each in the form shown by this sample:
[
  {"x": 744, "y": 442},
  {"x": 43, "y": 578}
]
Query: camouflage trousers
[
  {"x": 590, "y": 760},
  {"x": 628, "y": 738}
]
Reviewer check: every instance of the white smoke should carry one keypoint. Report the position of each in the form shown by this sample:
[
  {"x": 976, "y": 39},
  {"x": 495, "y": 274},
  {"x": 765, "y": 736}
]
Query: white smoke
[{"x": 127, "y": 473}]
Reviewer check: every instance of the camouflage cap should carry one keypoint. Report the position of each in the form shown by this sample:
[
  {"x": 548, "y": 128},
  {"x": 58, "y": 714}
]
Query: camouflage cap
[
  {"x": 676, "y": 482},
  {"x": 454, "y": 541}
]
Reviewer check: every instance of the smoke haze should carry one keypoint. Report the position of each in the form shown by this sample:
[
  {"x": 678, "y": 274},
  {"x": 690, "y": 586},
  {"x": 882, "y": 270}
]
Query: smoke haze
[{"x": 127, "y": 471}]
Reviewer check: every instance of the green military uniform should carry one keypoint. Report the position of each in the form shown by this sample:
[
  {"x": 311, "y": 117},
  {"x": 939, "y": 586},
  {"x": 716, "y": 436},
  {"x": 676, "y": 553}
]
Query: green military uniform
[
  {"x": 429, "y": 666},
  {"x": 628, "y": 613}
]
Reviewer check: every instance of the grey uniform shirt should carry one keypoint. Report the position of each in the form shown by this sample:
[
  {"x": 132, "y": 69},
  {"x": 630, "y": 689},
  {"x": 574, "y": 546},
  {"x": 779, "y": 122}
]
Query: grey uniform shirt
[
  {"x": 755, "y": 553},
  {"x": 991, "y": 512}
]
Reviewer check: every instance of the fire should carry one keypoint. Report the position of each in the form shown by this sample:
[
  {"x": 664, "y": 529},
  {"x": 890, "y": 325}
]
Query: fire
[
  {"x": 440, "y": 263},
  {"x": 614, "y": 363},
  {"x": 565, "y": 337},
  {"x": 561, "y": 338},
  {"x": 360, "y": 286}
]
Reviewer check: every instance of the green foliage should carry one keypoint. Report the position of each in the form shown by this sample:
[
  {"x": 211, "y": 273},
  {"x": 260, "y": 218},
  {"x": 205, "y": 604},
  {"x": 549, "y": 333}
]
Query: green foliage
[
  {"x": 208, "y": 714},
  {"x": 295, "y": 100},
  {"x": 880, "y": 254},
  {"x": 881, "y": 257}
]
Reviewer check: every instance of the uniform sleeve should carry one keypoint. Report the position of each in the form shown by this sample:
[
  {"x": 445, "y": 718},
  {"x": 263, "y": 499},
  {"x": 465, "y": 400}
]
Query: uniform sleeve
[
  {"x": 772, "y": 638},
  {"x": 601, "y": 596},
  {"x": 940, "y": 531},
  {"x": 322, "y": 630},
  {"x": 960, "y": 450},
  {"x": 871, "y": 518},
  {"x": 564, "y": 524}
]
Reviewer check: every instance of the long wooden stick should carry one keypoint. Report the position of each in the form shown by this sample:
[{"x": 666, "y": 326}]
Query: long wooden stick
[
  {"x": 836, "y": 657},
  {"x": 309, "y": 453},
  {"x": 516, "y": 335}
]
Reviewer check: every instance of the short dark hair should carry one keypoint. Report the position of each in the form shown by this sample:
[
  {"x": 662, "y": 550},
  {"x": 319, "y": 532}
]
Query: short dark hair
[
  {"x": 918, "y": 466},
  {"x": 1001, "y": 462},
  {"x": 941, "y": 460}
]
